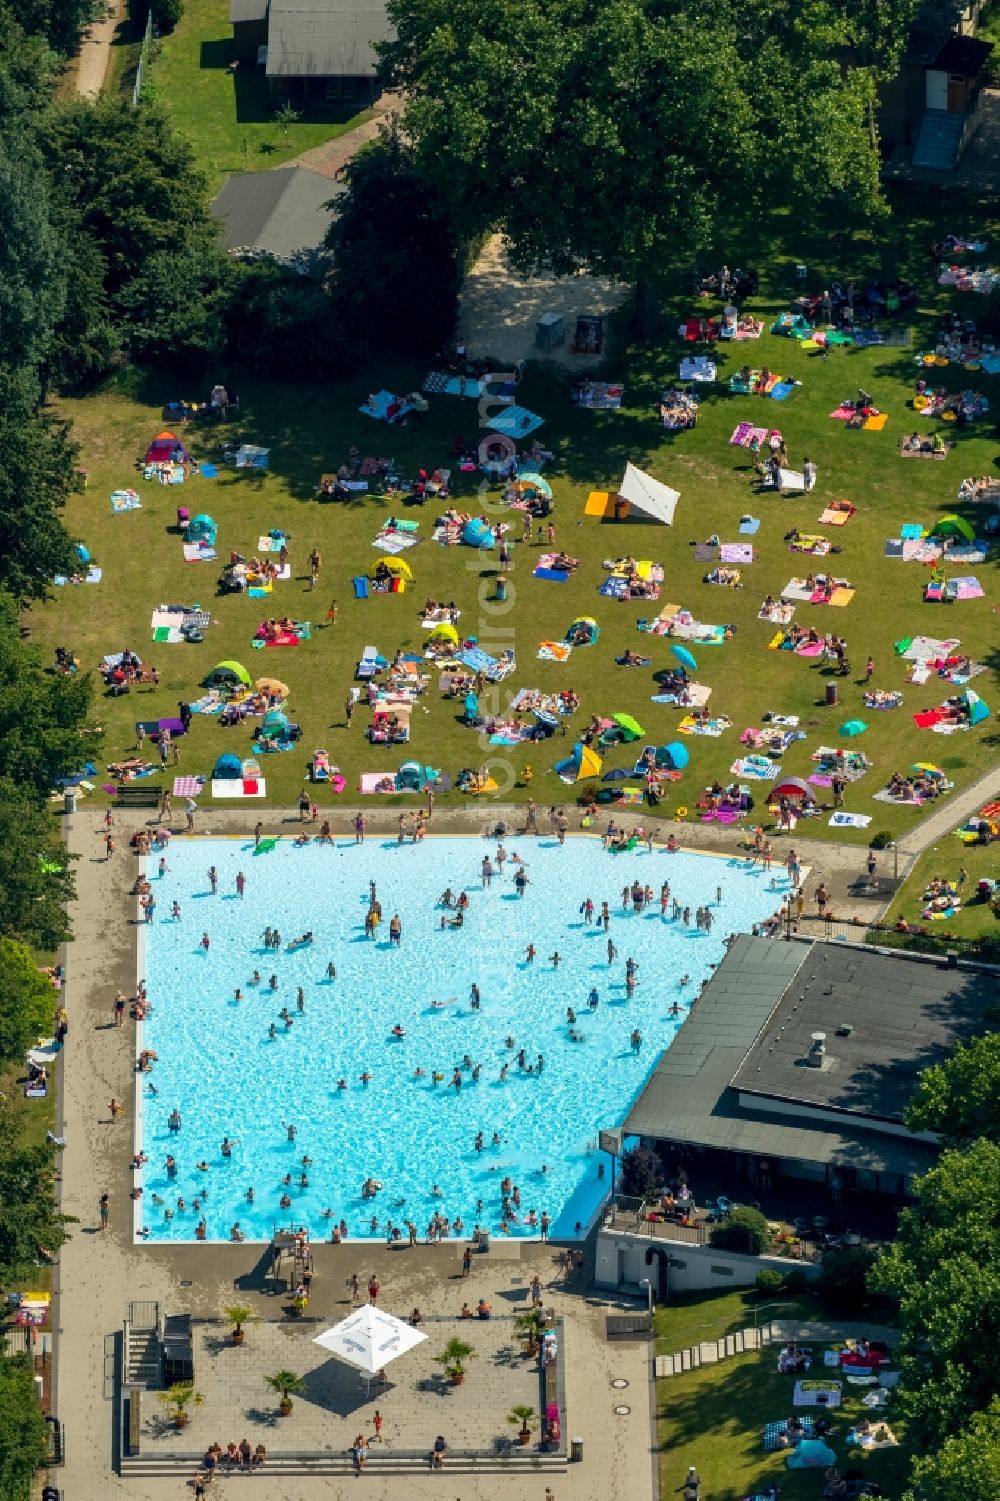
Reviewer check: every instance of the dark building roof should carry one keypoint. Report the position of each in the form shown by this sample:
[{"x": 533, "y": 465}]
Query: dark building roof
[
  {"x": 963, "y": 54},
  {"x": 282, "y": 211},
  {"x": 931, "y": 30},
  {"x": 325, "y": 38},
  {"x": 751, "y": 1017},
  {"x": 902, "y": 1016},
  {"x": 247, "y": 10}
]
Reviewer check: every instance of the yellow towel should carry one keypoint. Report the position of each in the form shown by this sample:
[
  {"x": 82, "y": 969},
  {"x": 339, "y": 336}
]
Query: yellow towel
[
  {"x": 776, "y": 641},
  {"x": 841, "y": 597},
  {"x": 876, "y": 424}
]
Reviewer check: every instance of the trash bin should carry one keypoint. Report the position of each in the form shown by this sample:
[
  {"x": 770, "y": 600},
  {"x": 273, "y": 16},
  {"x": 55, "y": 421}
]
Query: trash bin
[
  {"x": 831, "y": 694},
  {"x": 484, "y": 1240},
  {"x": 501, "y": 588},
  {"x": 69, "y": 800},
  {"x": 576, "y": 1451}
]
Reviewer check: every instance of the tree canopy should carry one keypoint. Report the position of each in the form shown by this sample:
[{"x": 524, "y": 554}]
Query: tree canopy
[
  {"x": 31, "y": 1228},
  {"x": 36, "y": 871},
  {"x": 967, "y": 1465},
  {"x": 607, "y": 134},
  {"x": 944, "y": 1267},
  {"x": 42, "y": 714},
  {"x": 23, "y": 1442},
  {"x": 960, "y": 1098},
  {"x": 27, "y": 1002}
]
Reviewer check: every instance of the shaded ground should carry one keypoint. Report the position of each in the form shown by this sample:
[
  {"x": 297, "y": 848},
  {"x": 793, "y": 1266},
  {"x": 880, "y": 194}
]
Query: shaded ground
[{"x": 500, "y": 309}]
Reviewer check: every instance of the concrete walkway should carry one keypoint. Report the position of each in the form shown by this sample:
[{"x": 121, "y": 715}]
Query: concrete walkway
[
  {"x": 328, "y": 159},
  {"x": 95, "y": 52}
]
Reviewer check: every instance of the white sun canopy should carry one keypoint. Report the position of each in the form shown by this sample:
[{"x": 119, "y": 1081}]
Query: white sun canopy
[
  {"x": 648, "y": 496},
  {"x": 370, "y": 1338}
]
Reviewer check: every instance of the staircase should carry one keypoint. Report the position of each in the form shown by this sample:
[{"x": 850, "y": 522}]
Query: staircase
[
  {"x": 938, "y": 140},
  {"x": 141, "y": 1348},
  {"x": 711, "y": 1351}
]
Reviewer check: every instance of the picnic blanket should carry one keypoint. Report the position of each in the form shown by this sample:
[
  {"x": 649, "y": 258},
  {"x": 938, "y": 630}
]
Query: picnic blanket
[
  {"x": 515, "y": 422},
  {"x": 383, "y": 782},
  {"x": 925, "y": 453},
  {"x": 378, "y": 405},
  {"x": 791, "y": 479},
  {"x": 966, "y": 587},
  {"x": 837, "y": 513},
  {"x": 187, "y": 786},
  {"x": 777, "y": 613},
  {"x": 698, "y": 368},
  {"x": 842, "y": 820},
  {"x": 554, "y": 651},
  {"x": 198, "y": 552},
  {"x": 744, "y": 433},
  {"x": 928, "y": 648},
  {"x": 689, "y": 725},
  {"x": 682, "y": 626},
  {"x": 774, "y": 1432},
  {"x": 125, "y": 500},
  {"x": 982, "y": 281},
  {"x": 815, "y": 545},
  {"x": 880, "y": 1436},
  {"x": 694, "y": 695},
  {"x": 798, "y": 591},
  {"x": 440, "y": 383},
  {"x": 757, "y": 768},
  {"x": 737, "y": 552},
  {"x": 239, "y": 787},
  {"x": 817, "y": 1393},
  {"x": 749, "y": 525}
]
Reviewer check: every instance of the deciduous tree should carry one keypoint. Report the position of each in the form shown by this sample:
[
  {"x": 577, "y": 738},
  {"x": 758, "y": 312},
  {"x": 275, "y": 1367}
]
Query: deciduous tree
[
  {"x": 960, "y": 1098},
  {"x": 944, "y": 1267},
  {"x": 36, "y": 871}
]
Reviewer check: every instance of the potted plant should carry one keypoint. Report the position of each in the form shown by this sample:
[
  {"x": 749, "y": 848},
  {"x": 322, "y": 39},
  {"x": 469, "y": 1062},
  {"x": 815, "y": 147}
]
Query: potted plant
[
  {"x": 285, "y": 1383},
  {"x": 453, "y": 1357},
  {"x": 239, "y": 1314},
  {"x": 178, "y": 1398},
  {"x": 529, "y": 1329},
  {"x": 523, "y": 1416}
]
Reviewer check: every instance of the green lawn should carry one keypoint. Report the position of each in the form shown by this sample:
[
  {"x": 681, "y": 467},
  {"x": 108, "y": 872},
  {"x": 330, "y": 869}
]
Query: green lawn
[
  {"x": 946, "y": 859},
  {"x": 310, "y": 429},
  {"x": 713, "y": 1418},
  {"x": 228, "y": 117},
  {"x": 689, "y": 1318}
]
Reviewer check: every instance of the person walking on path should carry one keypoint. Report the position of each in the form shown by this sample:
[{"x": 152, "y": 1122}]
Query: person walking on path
[
  {"x": 359, "y": 828},
  {"x": 373, "y": 1289},
  {"x": 872, "y": 867},
  {"x": 166, "y": 808},
  {"x": 104, "y": 1209},
  {"x": 466, "y": 1262},
  {"x": 869, "y": 669},
  {"x": 822, "y": 897},
  {"x": 190, "y": 809},
  {"x": 349, "y": 710}
]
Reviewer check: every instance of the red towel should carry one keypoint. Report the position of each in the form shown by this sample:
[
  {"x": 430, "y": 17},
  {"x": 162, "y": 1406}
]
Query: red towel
[
  {"x": 287, "y": 638},
  {"x": 928, "y": 718},
  {"x": 250, "y": 786}
]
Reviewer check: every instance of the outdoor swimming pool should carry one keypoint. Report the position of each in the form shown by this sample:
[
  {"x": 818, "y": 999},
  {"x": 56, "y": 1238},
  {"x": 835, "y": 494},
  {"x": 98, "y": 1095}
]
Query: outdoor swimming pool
[{"x": 219, "y": 1067}]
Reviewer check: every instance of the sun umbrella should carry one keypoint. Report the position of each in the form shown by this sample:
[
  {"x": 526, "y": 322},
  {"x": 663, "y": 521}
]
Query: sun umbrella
[
  {"x": 927, "y": 766},
  {"x": 853, "y": 727},
  {"x": 685, "y": 657},
  {"x": 617, "y": 774},
  {"x": 370, "y": 1338},
  {"x": 272, "y": 686},
  {"x": 632, "y": 726}
]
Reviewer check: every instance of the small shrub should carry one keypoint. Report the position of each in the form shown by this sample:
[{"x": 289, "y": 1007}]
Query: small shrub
[
  {"x": 744, "y": 1230},
  {"x": 166, "y": 14},
  {"x": 843, "y": 1277},
  {"x": 768, "y": 1281},
  {"x": 641, "y": 1172},
  {"x": 796, "y": 1281}
]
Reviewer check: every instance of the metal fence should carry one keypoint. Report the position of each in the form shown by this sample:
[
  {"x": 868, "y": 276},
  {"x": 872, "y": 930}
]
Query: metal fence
[
  {"x": 982, "y": 950},
  {"x": 140, "y": 71}
]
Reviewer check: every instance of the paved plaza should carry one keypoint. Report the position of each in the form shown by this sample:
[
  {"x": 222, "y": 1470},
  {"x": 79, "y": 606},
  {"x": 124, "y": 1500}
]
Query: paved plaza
[{"x": 417, "y": 1402}]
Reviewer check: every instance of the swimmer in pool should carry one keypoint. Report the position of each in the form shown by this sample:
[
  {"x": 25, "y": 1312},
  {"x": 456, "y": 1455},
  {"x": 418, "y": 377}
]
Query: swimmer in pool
[
  {"x": 331, "y": 971},
  {"x": 272, "y": 1031}
]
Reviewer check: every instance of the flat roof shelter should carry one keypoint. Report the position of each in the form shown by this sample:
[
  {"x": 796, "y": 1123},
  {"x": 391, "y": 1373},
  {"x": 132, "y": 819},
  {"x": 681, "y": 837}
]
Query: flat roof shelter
[{"x": 808, "y": 1055}]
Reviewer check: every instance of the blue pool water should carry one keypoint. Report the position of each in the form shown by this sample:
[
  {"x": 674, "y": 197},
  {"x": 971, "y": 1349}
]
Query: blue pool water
[{"x": 218, "y": 1065}]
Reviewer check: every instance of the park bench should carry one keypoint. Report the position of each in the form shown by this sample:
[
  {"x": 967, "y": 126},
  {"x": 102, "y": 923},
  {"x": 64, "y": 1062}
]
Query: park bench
[{"x": 132, "y": 796}]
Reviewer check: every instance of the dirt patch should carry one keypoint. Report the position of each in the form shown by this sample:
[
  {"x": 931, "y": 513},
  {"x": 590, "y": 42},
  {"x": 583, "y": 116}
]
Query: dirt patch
[{"x": 499, "y": 309}]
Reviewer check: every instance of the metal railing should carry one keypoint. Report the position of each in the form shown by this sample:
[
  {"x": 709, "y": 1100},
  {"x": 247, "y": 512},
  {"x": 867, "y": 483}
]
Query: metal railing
[
  {"x": 629, "y": 1216},
  {"x": 983, "y": 950},
  {"x": 140, "y": 71}
]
